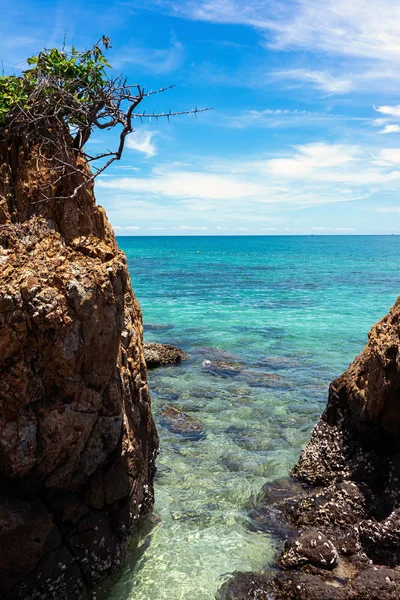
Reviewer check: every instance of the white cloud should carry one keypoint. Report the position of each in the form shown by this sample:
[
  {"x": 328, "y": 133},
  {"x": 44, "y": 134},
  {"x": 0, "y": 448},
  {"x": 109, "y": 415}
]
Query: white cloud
[
  {"x": 304, "y": 176},
  {"x": 279, "y": 118},
  {"x": 392, "y": 111},
  {"x": 366, "y": 32},
  {"x": 141, "y": 140},
  {"x": 187, "y": 184},
  {"x": 392, "y": 114},
  {"x": 313, "y": 159},
  {"x": 322, "y": 80},
  {"x": 389, "y": 157},
  {"x": 190, "y": 228},
  {"x": 391, "y": 129},
  {"x": 128, "y": 227},
  {"x": 358, "y": 28}
]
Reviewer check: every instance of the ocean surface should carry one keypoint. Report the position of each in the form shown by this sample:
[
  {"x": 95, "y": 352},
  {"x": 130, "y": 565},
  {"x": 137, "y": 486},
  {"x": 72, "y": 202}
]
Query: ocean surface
[{"x": 286, "y": 315}]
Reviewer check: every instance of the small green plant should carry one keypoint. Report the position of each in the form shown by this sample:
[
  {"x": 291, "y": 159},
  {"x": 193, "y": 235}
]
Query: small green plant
[{"x": 75, "y": 92}]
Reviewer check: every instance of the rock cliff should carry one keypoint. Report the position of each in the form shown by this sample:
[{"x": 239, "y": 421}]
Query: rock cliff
[
  {"x": 340, "y": 512},
  {"x": 77, "y": 438}
]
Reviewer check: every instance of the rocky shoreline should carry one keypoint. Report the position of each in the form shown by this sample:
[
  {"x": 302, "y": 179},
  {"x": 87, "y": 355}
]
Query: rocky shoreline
[
  {"x": 338, "y": 516},
  {"x": 78, "y": 442}
]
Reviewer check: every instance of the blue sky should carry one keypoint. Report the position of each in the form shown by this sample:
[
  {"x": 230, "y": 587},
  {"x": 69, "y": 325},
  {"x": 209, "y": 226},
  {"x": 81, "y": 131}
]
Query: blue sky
[{"x": 305, "y": 132}]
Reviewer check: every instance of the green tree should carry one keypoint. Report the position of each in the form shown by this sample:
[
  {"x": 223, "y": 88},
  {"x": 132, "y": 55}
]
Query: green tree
[{"x": 74, "y": 90}]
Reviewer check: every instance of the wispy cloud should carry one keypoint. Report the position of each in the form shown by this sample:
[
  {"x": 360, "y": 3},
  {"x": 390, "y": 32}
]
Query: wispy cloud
[
  {"x": 391, "y": 129},
  {"x": 367, "y": 33},
  {"x": 141, "y": 141},
  {"x": 389, "y": 157},
  {"x": 321, "y": 80},
  {"x": 361, "y": 29},
  {"x": 307, "y": 175},
  {"x": 156, "y": 61},
  {"x": 282, "y": 118},
  {"x": 189, "y": 228},
  {"x": 392, "y": 114},
  {"x": 127, "y": 228},
  {"x": 392, "y": 111}
]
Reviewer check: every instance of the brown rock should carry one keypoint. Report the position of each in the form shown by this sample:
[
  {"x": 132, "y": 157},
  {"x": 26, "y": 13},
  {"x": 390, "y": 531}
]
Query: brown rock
[
  {"x": 157, "y": 355},
  {"x": 76, "y": 428}
]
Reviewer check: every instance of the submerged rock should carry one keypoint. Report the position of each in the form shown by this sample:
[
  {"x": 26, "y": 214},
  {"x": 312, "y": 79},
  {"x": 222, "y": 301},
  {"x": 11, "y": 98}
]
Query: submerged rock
[
  {"x": 179, "y": 422},
  {"x": 223, "y": 368},
  {"x": 77, "y": 438},
  {"x": 270, "y": 513},
  {"x": 341, "y": 521},
  {"x": 157, "y": 355}
]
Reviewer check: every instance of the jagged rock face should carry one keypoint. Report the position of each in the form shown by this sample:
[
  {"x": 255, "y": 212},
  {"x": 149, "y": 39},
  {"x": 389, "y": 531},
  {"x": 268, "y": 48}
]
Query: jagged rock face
[
  {"x": 340, "y": 512},
  {"x": 77, "y": 438}
]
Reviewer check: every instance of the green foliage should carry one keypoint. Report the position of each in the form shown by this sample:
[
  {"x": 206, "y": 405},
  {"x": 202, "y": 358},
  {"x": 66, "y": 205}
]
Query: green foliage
[
  {"x": 61, "y": 98},
  {"x": 66, "y": 79},
  {"x": 13, "y": 91}
]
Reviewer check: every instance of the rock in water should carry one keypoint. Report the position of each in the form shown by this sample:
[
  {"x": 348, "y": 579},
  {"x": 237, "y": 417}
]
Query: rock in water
[
  {"x": 343, "y": 521},
  {"x": 77, "y": 438},
  {"x": 157, "y": 355},
  {"x": 179, "y": 422}
]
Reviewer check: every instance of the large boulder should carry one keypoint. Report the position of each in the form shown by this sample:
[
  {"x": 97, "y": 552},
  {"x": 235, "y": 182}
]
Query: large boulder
[{"x": 77, "y": 438}]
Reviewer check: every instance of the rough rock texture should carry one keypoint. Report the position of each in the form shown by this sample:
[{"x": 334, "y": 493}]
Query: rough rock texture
[
  {"x": 77, "y": 439},
  {"x": 157, "y": 355},
  {"x": 340, "y": 512}
]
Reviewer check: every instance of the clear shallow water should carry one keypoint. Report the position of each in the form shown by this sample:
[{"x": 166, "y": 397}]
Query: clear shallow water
[{"x": 290, "y": 313}]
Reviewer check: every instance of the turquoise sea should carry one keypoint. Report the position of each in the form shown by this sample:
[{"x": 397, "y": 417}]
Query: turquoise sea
[{"x": 288, "y": 314}]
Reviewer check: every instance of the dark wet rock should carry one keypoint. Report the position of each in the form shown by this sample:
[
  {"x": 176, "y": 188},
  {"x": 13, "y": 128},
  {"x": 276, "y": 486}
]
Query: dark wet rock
[
  {"x": 296, "y": 586},
  {"x": 246, "y": 586},
  {"x": 342, "y": 519},
  {"x": 376, "y": 584},
  {"x": 381, "y": 540},
  {"x": 370, "y": 584},
  {"x": 342, "y": 503},
  {"x": 270, "y": 511},
  {"x": 311, "y": 547},
  {"x": 157, "y": 355},
  {"x": 179, "y": 422},
  {"x": 223, "y": 368}
]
